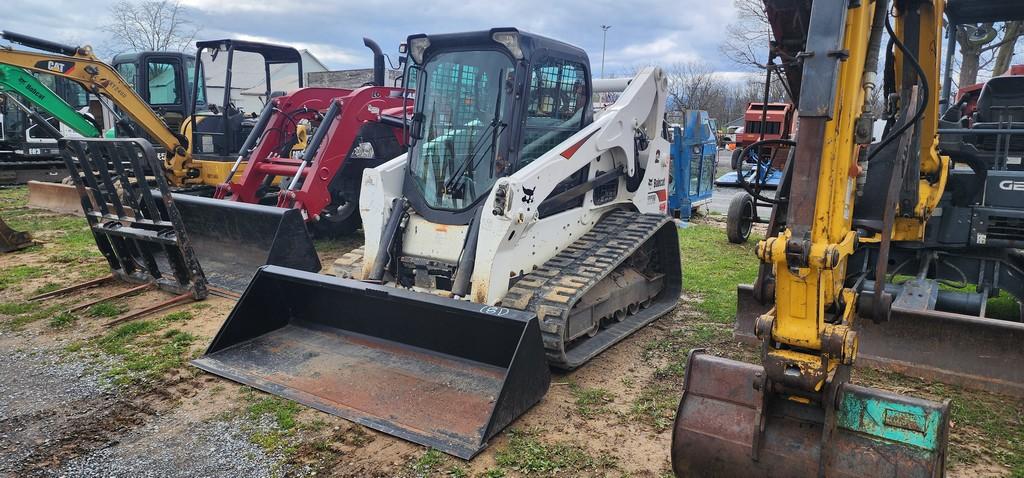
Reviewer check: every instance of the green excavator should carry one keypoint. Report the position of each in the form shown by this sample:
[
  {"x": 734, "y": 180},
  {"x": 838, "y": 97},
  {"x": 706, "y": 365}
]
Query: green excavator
[{"x": 17, "y": 85}]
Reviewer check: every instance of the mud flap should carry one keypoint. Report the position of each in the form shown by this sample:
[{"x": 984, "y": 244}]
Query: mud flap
[
  {"x": 727, "y": 425},
  {"x": 233, "y": 239},
  {"x": 11, "y": 240},
  {"x": 959, "y": 349},
  {"x": 440, "y": 372}
]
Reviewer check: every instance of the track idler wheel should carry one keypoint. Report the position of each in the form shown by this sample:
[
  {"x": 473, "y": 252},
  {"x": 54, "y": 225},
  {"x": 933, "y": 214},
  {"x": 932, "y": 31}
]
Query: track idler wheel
[{"x": 729, "y": 424}]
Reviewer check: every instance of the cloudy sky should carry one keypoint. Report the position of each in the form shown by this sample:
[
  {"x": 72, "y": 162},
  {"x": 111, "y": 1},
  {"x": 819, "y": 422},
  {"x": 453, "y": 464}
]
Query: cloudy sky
[{"x": 653, "y": 32}]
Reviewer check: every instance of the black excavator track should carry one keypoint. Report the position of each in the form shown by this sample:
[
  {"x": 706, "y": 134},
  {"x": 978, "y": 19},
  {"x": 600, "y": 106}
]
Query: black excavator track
[{"x": 558, "y": 290}]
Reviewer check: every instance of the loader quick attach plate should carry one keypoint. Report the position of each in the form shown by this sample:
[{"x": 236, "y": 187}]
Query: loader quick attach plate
[
  {"x": 443, "y": 373},
  {"x": 139, "y": 233},
  {"x": 727, "y": 425},
  {"x": 233, "y": 239}
]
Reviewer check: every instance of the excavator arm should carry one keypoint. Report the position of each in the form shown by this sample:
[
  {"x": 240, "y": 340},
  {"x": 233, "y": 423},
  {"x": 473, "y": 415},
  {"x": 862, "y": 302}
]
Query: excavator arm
[
  {"x": 17, "y": 80},
  {"x": 801, "y": 392},
  {"x": 79, "y": 64}
]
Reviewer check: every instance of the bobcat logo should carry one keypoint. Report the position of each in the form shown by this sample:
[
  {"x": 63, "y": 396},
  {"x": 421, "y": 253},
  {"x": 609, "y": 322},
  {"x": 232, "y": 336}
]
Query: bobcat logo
[{"x": 528, "y": 195}]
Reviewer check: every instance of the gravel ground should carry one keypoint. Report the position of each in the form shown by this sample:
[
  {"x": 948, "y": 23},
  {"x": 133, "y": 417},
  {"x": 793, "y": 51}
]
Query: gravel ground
[
  {"x": 168, "y": 448},
  {"x": 39, "y": 394}
]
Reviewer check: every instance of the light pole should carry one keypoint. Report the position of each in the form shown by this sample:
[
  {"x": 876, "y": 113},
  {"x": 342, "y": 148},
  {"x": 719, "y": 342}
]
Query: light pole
[{"x": 604, "y": 43}]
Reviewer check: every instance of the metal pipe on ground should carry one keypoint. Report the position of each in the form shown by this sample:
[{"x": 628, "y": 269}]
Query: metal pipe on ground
[{"x": 393, "y": 360}]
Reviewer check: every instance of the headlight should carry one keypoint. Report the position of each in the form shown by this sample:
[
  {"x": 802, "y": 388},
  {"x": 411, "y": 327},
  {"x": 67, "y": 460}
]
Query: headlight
[
  {"x": 511, "y": 41},
  {"x": 416, "y": 48}
]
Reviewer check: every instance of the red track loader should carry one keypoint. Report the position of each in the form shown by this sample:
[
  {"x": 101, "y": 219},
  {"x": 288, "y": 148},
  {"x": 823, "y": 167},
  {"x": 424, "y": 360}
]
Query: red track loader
[{"x": 262, "y": 218}]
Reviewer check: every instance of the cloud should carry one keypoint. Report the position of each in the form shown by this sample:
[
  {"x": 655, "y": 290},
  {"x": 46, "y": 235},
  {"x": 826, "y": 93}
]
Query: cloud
[
  {"x": 658, "y": 32},
  {"x": 328, "y": 54}
]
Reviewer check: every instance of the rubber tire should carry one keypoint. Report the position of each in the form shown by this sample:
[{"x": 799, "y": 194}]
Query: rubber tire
[
  {"x": 740, "y": 219},
  {"x": 735, "y": 160},
  {"x": 325, "y": 229}
]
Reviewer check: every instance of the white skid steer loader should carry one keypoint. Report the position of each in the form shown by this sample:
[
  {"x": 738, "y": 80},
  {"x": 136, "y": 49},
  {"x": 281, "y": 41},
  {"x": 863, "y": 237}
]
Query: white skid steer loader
[{"x": 522, "y": 230}]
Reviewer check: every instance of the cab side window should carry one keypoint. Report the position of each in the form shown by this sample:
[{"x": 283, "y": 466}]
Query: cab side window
[
  {"x": 164, "y": 84},
  {"x": 129, "y": 73},
  {"x": 554, "y": 107}
]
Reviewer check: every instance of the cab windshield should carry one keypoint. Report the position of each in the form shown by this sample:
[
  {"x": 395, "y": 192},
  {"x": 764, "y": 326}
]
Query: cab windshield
[{"x": 461, "y": 98}]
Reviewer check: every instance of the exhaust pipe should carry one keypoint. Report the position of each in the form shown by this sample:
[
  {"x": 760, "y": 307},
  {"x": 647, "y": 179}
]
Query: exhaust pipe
[{"x": 378, "y": 61}]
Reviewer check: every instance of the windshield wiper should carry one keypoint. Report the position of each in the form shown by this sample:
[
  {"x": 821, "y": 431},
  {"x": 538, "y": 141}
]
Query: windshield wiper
[{"x": 496, "y": 126}]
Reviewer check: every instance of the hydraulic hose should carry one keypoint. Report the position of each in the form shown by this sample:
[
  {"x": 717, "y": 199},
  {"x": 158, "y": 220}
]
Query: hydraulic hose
[{"x": 925, "y": 93}]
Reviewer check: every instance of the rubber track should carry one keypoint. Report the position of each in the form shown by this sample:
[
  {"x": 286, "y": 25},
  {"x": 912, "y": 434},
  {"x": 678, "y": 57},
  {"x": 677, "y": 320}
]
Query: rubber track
[{"x": 552, "y": 289}]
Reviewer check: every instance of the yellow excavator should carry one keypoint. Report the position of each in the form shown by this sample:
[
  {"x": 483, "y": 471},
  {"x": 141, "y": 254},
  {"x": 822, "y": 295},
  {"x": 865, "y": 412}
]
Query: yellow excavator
[
  {"x": 219, "y": 133},
  {"x": 797, "y": 413}
]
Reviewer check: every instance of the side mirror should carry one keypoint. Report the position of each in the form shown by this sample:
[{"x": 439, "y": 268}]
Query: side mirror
[{"x": 416, "y": 126}]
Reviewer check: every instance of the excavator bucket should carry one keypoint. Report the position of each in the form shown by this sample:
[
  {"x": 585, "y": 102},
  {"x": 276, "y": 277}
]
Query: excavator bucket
[
  {"x": 727, "y": 425},
  {"x": 233, "y": 239},
  {"x": 56, "y": 197},
  {"x": 11, "y": 240},
  {"x": 440, "y": 372}
]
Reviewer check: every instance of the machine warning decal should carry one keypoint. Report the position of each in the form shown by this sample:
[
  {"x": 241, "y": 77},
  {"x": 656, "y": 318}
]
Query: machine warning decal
[{"x": 56, "y": 66}]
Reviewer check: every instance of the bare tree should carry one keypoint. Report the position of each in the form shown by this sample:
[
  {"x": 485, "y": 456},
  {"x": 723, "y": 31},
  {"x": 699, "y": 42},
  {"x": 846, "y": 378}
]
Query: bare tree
[
  {"x": 986, "y": 44},
  {"x": 1004, "y": 54},
  {"x": 746, "y": 40},
  {"x": 153, "y": 25},
  {"x": 693, "y": 86}
]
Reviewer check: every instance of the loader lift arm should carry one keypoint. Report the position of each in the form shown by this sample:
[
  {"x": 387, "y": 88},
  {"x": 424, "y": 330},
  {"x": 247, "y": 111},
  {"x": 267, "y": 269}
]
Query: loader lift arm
[
  {"x": 808, "y": 341},
  {"x": 17, "y": 80},
  {"x": 79, "y": 64}
]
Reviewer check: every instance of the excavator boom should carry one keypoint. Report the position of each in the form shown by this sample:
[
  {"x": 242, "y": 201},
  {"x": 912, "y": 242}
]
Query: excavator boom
[
  {"x": 17, "y": 80},
  {"x": 98, "y": 78}
]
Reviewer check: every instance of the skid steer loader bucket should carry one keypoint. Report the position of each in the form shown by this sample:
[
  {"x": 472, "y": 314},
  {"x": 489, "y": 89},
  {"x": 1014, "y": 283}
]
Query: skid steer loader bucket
[
  {"x": 960, "y": 349},
  {"x": 11, "y": 240},
  {"x": 233, "y": 239},
  {"x": 727, "y": 425},
  {"x": 440, "y": 372}
]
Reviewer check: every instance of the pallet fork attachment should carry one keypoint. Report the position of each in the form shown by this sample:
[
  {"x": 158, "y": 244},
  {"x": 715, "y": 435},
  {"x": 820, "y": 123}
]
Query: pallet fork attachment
[{"x": 383, "y": 357}]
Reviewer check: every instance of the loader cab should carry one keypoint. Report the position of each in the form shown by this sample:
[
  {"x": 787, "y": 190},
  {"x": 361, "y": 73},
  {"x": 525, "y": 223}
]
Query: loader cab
[
  {"x": 242, "y": 70},
  {"x": 165, "y": 81},
  {"x": 487, "y": 104}
]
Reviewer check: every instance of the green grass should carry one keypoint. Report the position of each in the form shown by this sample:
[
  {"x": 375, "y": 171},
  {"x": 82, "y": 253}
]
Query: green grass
[
  {"x": 144, "y": 353},
  {"x": 18, "y": 308},
  {"x": 24, "y": 313},
  {"x": 712, "y": 267},
  {"x": 178, "y": 316},
  {"x": 277, "y": 440},
  {"x": 283, "y": 411},
  {"x": 107, "y": 309},
  {"x": 47, "y": 288},
  {"x": 10, "y": 276},
  {"x": 428, "y": 463},
  {"x": 61, "y": 320},
  {"x": 526, "y": 454},
  {"x": 590, "y": 401}
]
